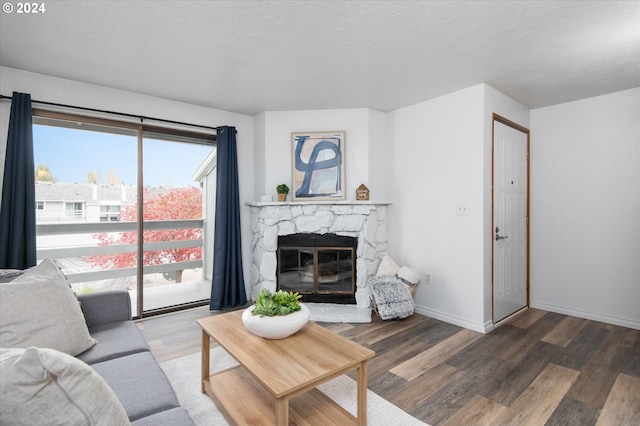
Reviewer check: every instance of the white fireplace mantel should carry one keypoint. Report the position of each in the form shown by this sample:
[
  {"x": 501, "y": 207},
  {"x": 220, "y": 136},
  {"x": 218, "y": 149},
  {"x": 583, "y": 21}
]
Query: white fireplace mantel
[
  {"x": 365, "y": 220},
  {"x": 317, "y": 203}
]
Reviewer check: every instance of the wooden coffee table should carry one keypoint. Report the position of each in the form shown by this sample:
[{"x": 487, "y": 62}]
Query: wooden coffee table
[{"x": 276, "y": 379}]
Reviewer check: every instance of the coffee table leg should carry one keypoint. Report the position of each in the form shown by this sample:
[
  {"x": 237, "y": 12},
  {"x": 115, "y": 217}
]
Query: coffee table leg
[
  {"x": 362, "y": 394},
  {"x": 204, "y": 357},
  {"x": 282, "y": 411}
]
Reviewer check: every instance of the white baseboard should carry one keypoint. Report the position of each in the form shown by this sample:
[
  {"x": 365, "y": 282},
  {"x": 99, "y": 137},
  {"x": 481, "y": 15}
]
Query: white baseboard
[
  {"x": 623, "y": 322},
  {"x": 455, "y": 320},
  {"x": 489, "y": 326}
]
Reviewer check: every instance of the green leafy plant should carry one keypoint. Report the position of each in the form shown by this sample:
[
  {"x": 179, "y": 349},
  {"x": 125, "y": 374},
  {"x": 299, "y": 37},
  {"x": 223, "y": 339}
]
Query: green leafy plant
[
  {"x": 279, "y": 303},
  {"x": 282, "y": 189}
]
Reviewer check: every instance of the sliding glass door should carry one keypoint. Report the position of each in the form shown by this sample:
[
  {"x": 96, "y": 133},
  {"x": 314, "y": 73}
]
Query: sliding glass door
[{"x": 91, "y": 175}]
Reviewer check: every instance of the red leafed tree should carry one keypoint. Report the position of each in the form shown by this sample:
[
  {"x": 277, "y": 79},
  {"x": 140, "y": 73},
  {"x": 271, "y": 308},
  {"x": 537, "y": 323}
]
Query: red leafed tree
[{"x": 180, "y": 203}]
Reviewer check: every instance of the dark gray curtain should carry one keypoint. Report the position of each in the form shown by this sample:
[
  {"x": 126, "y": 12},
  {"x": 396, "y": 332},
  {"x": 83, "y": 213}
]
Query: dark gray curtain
[
  {"x": 227, "y": 288},
  {"x": 18, "y": 211}
]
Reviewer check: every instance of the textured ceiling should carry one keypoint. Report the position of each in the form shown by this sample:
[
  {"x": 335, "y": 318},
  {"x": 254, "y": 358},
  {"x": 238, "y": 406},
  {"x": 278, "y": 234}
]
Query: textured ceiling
[{"x": 254, "y": 56}]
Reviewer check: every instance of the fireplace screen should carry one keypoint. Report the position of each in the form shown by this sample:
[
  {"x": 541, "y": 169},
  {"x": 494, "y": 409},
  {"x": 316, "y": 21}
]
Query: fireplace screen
[{"x": 320, "y": 267}]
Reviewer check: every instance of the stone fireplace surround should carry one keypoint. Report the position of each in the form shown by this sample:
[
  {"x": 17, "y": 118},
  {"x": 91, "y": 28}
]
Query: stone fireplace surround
[{"x": 364, "y": 220}]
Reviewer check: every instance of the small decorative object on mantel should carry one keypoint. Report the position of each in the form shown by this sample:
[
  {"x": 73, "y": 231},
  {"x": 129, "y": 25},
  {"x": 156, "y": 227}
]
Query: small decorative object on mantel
[
  {"x": 276, "y": 315},
  {"x": 282, "y": 191},
  {"x": 362, "y": 193}
]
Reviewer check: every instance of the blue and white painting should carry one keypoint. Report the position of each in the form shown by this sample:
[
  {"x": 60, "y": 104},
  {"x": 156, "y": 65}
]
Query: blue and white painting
[{"x": 318, "y": 165}]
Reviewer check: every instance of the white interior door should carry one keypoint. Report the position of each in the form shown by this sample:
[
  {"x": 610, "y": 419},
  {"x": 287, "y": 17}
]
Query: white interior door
[{"x": 510, "y": 211}]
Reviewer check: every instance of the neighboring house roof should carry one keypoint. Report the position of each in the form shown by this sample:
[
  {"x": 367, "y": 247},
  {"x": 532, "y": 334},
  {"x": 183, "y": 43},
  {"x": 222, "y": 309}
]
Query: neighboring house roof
[{"x": 89, "y": 192}]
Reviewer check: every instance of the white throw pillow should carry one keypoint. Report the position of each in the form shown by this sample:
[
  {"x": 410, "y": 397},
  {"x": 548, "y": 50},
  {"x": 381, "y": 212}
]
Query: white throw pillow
[
  {"x": 387, "y": 267},
  {"x": 43, "y": 386},
  {"x": 39, "y": 309},
  {"x": 408, "y": 275}
]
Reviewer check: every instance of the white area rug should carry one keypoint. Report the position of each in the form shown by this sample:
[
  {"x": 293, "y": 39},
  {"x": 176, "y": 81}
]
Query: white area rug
[
  {"x": 332, "y": 312},
  {"x": 184, "y": 375}
]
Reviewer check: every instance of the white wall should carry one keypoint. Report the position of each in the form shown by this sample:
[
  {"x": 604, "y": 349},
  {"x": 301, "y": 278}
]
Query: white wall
[
  {"x": 378, "y": 143},
  {"x": 585, "y": 208},
  {"x": 360, "y": 161},
  {"x": 259, "y": 157},
  {"x": 5, "y": 109},
  {"x": 52, "y": 89},
  {"x": 436, "y": 156}
]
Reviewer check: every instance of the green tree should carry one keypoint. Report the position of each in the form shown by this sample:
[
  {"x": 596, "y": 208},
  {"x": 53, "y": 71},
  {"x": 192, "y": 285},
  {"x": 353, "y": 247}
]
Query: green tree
[
  {"x": 43, "y": 174},
  {"x": 93, "y": 177}
]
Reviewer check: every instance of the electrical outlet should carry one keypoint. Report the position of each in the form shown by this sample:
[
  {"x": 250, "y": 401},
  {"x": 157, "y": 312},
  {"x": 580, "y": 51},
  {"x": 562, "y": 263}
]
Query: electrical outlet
[
  {"x": 427, "y": 279},
  {"x": 462, "y": 209}
]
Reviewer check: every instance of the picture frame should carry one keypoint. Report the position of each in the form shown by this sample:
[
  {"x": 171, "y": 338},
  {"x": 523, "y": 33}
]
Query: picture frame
[{"x": 318, "y": 166}]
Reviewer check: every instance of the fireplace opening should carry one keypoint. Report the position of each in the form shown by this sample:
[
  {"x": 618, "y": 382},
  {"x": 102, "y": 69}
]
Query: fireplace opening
[{"x": 319, "y": 267}]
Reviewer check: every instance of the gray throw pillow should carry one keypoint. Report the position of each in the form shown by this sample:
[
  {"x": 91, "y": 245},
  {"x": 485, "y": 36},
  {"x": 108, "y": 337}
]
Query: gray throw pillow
[
  {"x": 43, "y": 386},
  {"x": 39, "y": 309}
]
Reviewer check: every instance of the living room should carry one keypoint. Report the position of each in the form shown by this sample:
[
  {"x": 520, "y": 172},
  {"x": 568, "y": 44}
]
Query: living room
[{"x": 426, "y": 155}]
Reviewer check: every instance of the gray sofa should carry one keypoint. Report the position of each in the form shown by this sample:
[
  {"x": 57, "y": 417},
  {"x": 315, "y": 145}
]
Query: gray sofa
[
  {"x": 64, "y": 362},
  {"x": 123, "y": 358}
]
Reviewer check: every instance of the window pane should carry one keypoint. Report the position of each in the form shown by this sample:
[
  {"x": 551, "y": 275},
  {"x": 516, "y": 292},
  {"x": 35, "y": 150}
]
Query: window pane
[
  {"x": 174, "y": 272},
  {"x": 80, "y": 170}
]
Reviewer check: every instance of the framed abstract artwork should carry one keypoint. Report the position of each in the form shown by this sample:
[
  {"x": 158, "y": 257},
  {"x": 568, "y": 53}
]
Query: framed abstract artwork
[{"x": 318, "y": 170}]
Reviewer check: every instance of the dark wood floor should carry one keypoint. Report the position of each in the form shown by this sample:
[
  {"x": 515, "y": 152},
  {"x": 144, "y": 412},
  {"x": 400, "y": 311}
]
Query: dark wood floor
[{"x": 539, "y": 368}]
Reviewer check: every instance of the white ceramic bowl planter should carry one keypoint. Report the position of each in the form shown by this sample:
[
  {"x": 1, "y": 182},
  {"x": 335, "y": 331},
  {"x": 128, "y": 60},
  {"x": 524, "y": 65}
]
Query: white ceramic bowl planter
[{"x": 276, "y": 327}]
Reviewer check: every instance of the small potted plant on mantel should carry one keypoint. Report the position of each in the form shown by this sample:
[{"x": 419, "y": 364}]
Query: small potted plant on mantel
[
  {"x": 282, "y": 191},
  {"x": 276, "y": 315}
]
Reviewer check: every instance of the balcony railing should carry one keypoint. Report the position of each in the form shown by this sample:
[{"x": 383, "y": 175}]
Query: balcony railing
[{"x": 78, "y": 249}]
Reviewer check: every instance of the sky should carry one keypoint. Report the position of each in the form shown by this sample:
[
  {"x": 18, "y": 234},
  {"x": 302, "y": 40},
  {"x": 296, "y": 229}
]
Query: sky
[{"x": 71, "y": 154}]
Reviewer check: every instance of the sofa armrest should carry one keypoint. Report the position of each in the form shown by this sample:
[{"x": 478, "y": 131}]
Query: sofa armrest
[{"x": 105, "y": 307}]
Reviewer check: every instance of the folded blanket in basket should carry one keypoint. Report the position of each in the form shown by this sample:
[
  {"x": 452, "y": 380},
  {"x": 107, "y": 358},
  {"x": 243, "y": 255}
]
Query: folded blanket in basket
[{"x": 392, "y": 297}]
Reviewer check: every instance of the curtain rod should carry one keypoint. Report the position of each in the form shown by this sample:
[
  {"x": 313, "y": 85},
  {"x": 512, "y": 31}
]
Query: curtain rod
[{"x": 122, "y": 114}]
